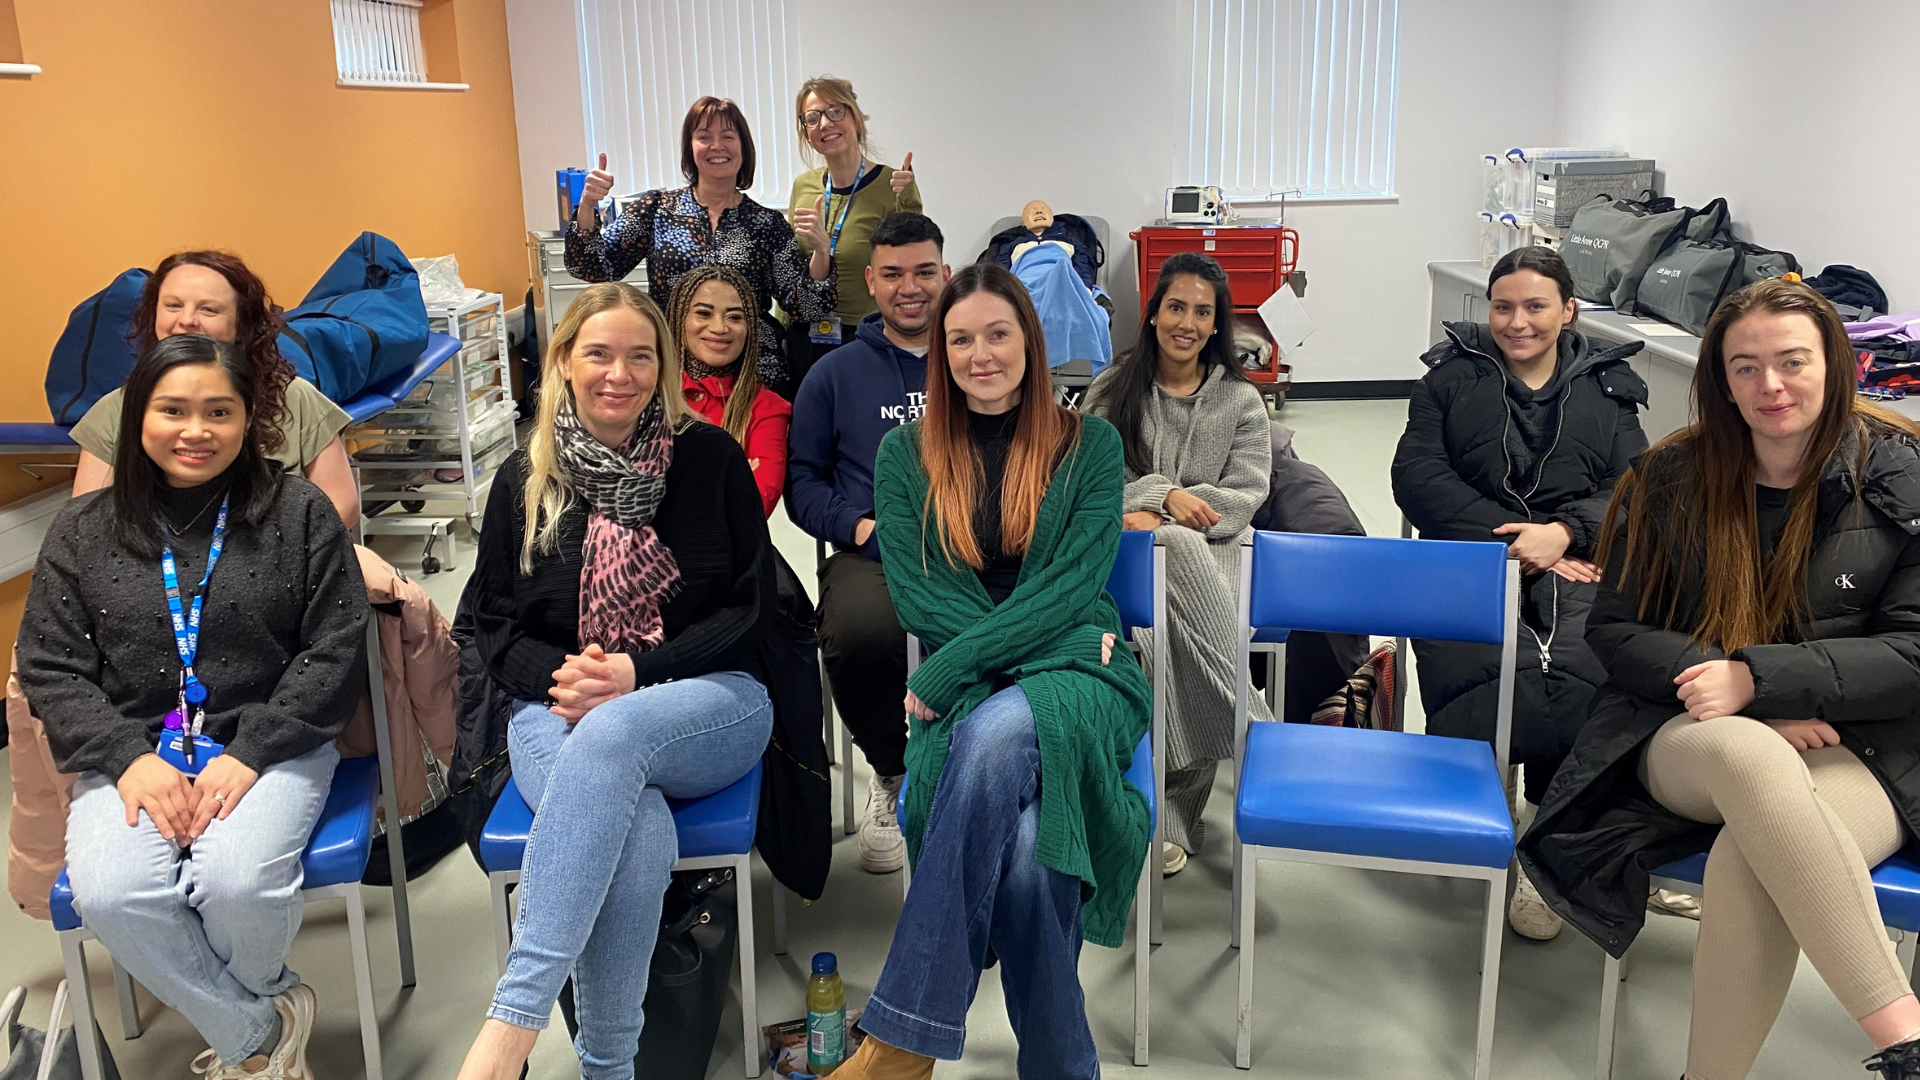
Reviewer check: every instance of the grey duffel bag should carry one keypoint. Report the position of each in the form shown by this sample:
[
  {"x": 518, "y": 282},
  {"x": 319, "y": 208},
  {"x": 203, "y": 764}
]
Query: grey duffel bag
[
  {"x": 1689, "y": 279},
  {"x": 1611, "y": 243}
]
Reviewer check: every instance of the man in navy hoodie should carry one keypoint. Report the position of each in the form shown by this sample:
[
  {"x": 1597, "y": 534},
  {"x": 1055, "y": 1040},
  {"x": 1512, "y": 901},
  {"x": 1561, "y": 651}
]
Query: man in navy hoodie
[{"x": 849, "y": 401}]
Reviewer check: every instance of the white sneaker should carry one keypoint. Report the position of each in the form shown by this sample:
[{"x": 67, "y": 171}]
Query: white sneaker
[
  {"x": 1173, "y": 858},
  {"x": 882, "y": 849},
  {"x": 288, "y": 1058},
  {"x": 1529, "y": 915},
  {"x": 1668, "y": 902}
]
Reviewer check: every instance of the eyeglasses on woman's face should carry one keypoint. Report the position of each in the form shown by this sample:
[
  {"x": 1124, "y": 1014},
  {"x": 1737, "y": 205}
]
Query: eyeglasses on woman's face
[{"x": 832, "y": 114}]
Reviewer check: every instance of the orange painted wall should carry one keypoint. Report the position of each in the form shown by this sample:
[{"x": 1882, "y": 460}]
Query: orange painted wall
[{"x": 164, "y": 124}]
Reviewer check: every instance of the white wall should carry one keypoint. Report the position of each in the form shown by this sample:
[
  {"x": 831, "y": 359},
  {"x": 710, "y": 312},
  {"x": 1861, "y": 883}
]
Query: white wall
[
  {"x": 1801, "y": 116},
  {"x": 1002, "y": 101}
]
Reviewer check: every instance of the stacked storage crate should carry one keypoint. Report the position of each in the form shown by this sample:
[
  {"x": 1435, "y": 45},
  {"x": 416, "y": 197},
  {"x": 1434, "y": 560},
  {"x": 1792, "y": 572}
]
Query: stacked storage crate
[
  {"x": 444, "y": 441},
  {"x": 1531, "y": 193}
]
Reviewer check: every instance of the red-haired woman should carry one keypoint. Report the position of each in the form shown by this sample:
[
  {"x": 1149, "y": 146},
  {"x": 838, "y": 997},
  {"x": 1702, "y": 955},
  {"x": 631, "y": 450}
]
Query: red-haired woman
[
  {"x": 213, "y": 293},
  {"x": 1766, "y": 711},
  {"x": 999, "y": 515},
  {"x": 711, "y": 220}
]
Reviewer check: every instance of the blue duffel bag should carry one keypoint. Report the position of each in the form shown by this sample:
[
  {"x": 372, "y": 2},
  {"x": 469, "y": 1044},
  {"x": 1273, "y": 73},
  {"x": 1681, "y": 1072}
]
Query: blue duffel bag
[
  {"x": 93, "y": 355},
  {"x": 363, "y": 320}
]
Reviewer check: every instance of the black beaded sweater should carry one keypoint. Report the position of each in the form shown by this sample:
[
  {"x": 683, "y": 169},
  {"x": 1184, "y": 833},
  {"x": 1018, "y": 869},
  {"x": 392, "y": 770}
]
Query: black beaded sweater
[
  {"x": 282, "y": 637},
  {"x": 710, "y": 519}
]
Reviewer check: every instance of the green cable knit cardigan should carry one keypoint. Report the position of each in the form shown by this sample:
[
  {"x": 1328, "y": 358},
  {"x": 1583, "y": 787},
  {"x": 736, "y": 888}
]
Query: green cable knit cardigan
[{"x": 1046, "y": 637}]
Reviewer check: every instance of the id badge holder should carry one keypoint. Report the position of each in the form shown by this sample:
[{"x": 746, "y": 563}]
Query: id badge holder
[
  {"x": 825, "y": 331},
  {"x": 173, "y": 745}
]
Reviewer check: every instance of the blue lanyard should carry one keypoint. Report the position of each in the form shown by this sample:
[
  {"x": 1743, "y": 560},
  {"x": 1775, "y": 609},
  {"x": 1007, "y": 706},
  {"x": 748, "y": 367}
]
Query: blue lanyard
[
  {"x": 186, "y": 626},
  {"x": 826, "y": 176}
]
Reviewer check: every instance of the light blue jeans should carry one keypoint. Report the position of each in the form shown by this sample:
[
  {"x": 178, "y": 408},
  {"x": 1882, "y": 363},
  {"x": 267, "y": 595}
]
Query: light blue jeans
[
  {"x": 603, "y": 844},
  {"x": 207, "y": 929}
]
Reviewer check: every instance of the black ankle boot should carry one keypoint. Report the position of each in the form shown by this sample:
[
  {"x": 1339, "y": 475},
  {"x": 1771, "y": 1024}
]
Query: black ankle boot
[{"x": 1900, "y": 1061}]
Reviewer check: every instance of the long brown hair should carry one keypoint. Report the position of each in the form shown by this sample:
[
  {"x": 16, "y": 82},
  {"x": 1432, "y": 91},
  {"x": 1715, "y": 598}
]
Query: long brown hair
[
  {"x": 746, "y": 381},
  {"x": 256, "y": 331},
  {"x": 1689, "y": 501},
  {"x": 546, "y": 494},
  {"x": 955, "y": 474}
]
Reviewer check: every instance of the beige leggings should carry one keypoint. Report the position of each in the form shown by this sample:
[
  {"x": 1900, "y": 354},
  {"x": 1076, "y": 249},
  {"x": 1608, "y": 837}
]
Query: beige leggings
[{"x": 1788, "y": 872}]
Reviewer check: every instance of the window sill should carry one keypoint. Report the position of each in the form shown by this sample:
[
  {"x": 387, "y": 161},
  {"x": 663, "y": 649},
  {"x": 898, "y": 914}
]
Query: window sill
[
  {"x": 19, "y": 69},
  {"x": 374, "y": 84},
  {"x": 1318, "y": 200}
]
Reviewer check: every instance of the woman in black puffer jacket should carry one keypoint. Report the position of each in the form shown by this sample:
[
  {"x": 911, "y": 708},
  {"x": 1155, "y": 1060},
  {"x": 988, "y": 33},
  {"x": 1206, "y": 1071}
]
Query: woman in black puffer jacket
[
  {"x": 1518, "y": 434},
  {"x": 1767, "y": 710}
]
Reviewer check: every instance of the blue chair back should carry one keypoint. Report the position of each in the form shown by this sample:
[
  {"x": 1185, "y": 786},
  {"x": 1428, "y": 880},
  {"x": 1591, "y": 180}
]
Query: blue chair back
[
  {"x": 1443, "y": 589},
  {"x": 1131, "y": 583}
]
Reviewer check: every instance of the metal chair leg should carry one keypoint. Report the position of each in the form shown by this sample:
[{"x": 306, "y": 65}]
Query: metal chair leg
[
  {"x": 1142, "y": 957},
  {"x": 363, "y": 980},
  {"x": 73, "y": 957},
  {"x": 1243, "y": 903},
  {"x": 1239, "y": 874},
  {"x": 502, "y": 917},
  {"x": 1495, "y": 934},
  {"x": 1610, "y": 978},
  {"x": 847, "y": 824},
  {"x": 749, "y": 989},
  {"x": 129, "y": 1004}
]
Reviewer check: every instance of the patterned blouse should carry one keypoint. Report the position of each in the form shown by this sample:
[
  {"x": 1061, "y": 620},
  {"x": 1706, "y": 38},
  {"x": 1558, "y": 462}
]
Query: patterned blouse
[{"x": 671, "y": 230}]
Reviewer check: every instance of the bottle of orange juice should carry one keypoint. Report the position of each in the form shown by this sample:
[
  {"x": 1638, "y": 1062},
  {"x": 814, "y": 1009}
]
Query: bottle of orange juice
[{"x": 826, "y": 1016}]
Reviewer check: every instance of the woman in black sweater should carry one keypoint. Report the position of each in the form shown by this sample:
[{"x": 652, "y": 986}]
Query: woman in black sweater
[
  {"x": 262, "y": 671},
  {"x": 625, "y": 577}
]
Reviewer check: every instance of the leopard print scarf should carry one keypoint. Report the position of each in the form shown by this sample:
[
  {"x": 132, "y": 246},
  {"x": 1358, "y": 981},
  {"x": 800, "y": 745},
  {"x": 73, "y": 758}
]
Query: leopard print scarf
[{"x": 626, "y": 572}]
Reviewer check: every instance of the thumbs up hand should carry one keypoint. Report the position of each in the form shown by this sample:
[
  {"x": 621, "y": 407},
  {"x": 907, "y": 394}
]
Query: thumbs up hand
[
  {"x": 903, "y": 175},
  {"x": 809, "y": 223},
  {"x": 599, "y": 183}
]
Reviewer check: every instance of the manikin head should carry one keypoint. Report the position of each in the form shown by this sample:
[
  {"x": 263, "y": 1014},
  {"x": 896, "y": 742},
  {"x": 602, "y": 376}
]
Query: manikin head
[{"x": 1036, "y": 216}]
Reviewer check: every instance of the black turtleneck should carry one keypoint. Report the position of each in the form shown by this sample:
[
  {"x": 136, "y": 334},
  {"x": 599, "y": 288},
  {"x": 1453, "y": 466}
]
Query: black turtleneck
[{"x": 993, "y": 434}]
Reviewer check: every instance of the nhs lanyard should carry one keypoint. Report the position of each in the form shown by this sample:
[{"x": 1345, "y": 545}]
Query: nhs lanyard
[
  {"x": 186, "y": 624},
  {"x": 846, "y": 207}
]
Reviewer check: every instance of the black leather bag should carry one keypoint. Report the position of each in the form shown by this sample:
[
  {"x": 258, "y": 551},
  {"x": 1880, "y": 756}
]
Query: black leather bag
[{"x": 687, "y": 981}]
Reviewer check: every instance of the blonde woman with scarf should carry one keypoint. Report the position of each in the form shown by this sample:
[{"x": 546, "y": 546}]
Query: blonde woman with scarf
[{"x": 624, "y": 578}]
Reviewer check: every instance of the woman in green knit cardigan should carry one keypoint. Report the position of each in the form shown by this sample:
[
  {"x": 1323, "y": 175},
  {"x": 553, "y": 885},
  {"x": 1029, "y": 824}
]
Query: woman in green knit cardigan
[{"x": 999, "y": 516}]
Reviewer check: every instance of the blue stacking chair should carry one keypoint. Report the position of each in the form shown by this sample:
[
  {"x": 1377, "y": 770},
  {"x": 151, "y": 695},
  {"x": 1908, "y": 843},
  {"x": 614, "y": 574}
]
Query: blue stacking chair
[
  {"x": 1377, "y": 800},
  {"x": 1896, "y": 883},
  {"x": 1138, "y": 586},
  {"x": 714, "y": 832},
  {"x": 334, "y": 862}
]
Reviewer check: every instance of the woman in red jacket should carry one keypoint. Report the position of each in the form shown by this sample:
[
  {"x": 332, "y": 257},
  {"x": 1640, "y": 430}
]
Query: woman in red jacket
[{"x": 712, "y": 310}]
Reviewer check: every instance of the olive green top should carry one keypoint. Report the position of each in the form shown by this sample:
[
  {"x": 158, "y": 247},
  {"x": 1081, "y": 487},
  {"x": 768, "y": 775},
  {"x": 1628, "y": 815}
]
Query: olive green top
[
  {"x": 308, "y": 424},
  {"x": 873, "y": 199}
]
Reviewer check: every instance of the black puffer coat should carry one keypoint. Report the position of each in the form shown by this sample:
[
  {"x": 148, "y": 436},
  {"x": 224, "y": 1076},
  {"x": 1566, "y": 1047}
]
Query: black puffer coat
[
  {"x": 1455, "y": 477},
  {"x": 1855, "y": 664}
]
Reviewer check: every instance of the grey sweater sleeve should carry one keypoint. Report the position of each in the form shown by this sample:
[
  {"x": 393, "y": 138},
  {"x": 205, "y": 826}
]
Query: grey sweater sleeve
[
  {"x": 1243, "y": 483},
  {"x": 321, "y": 685},
  {"x": 60, "y": 664}
]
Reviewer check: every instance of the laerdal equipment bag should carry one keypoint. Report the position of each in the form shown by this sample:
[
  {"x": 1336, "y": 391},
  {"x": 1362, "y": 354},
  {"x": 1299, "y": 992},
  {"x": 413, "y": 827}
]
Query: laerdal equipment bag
[
  {"x": 1612, "y": 243},
  {"x": 1689, "y": 279}
]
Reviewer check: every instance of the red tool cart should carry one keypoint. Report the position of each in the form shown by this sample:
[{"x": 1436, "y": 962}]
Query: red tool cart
[{"x": 1258, "y": 260}]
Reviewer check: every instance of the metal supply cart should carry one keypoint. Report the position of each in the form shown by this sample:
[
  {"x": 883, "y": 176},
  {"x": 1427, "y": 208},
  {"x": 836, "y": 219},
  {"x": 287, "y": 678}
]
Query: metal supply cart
[{"x": 442, "y": 441}]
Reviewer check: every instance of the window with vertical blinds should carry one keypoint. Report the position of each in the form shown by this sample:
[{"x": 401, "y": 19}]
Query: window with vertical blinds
[
  {"x": 377, "y": 42},
  {"x": 643, "y": 62},
  {"x": 1291, "y": 95}
]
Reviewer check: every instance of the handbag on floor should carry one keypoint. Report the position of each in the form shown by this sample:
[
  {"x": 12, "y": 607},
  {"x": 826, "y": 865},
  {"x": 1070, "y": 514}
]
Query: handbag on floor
[
  {"x": 687, "y": 980},
  {"x": 53, "y": 1054}
]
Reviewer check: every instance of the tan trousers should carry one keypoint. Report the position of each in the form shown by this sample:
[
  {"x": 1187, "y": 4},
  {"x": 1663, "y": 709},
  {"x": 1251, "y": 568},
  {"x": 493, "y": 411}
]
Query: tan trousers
[{"x": 1788, "y": 872}]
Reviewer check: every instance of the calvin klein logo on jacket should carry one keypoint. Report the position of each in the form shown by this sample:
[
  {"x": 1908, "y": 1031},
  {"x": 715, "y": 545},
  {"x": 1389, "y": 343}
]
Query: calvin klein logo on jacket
[{"x": 1845, "y": 581}]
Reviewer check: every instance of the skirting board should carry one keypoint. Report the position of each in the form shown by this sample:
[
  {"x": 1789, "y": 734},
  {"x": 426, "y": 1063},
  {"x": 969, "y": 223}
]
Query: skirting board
[{"x": 1350, "y": 390}]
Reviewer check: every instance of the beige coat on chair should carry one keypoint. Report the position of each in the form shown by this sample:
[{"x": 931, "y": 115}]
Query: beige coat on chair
[{"x": 419, "y": 664}]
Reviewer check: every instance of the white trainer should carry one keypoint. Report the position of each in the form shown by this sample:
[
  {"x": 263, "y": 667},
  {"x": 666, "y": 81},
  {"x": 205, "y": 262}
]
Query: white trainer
[
  {"x": 882, "y": 849},
  {"x": 1173, "y": 858},
  {"x": 1529, "y": 915},
  {"x": 288, "y": 1058}
]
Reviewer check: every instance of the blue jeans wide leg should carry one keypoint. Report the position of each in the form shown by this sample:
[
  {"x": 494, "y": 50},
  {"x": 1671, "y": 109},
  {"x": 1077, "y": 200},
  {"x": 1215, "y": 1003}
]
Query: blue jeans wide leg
[
  {"x": 207, "y": 931},
  {"x": 977, "y": 887},
  {"x": 603, "y": 842}
]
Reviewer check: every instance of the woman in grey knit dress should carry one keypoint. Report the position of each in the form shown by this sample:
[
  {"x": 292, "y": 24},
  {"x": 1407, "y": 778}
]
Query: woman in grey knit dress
[{"x": 1199, "y": 452}]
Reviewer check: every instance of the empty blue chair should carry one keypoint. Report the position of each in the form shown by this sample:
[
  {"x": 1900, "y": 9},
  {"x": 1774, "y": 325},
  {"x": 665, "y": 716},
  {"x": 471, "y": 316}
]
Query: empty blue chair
[
  {"x": 1378, "y": 800},
  {"x": 714, "y": 832},
  {"x": 333, "y": 864},
  {"x": 1896, "y": 883},
  {"x": 1138, "y": 587}
]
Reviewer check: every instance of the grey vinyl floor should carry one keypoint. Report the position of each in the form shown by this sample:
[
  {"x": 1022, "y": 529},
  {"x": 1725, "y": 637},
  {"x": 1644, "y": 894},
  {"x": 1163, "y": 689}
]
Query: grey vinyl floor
[{"x": 1359, "y": 974}]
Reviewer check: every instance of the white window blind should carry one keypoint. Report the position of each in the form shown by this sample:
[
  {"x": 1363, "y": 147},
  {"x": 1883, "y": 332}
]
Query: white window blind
[
  {"x": 1291, "y": 95},
  {"x": 644, "y": 62},
  {"x": 377, "y": 42}
]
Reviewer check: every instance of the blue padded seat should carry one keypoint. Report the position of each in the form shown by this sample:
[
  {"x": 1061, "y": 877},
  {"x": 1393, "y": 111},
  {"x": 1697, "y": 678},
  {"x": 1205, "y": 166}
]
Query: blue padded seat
[
  {"x": 1383, "y": 794},
  {"x": 47, "y": 436},
  {"x": 1269, "y": 635},
  {"x": 1896, "y": 883},
  {"x": 722, "y": 823},
  {"x": 440, "y": 349},
  {"x": 367, "y": 406},
  {"x": 336, "y": 853}
]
